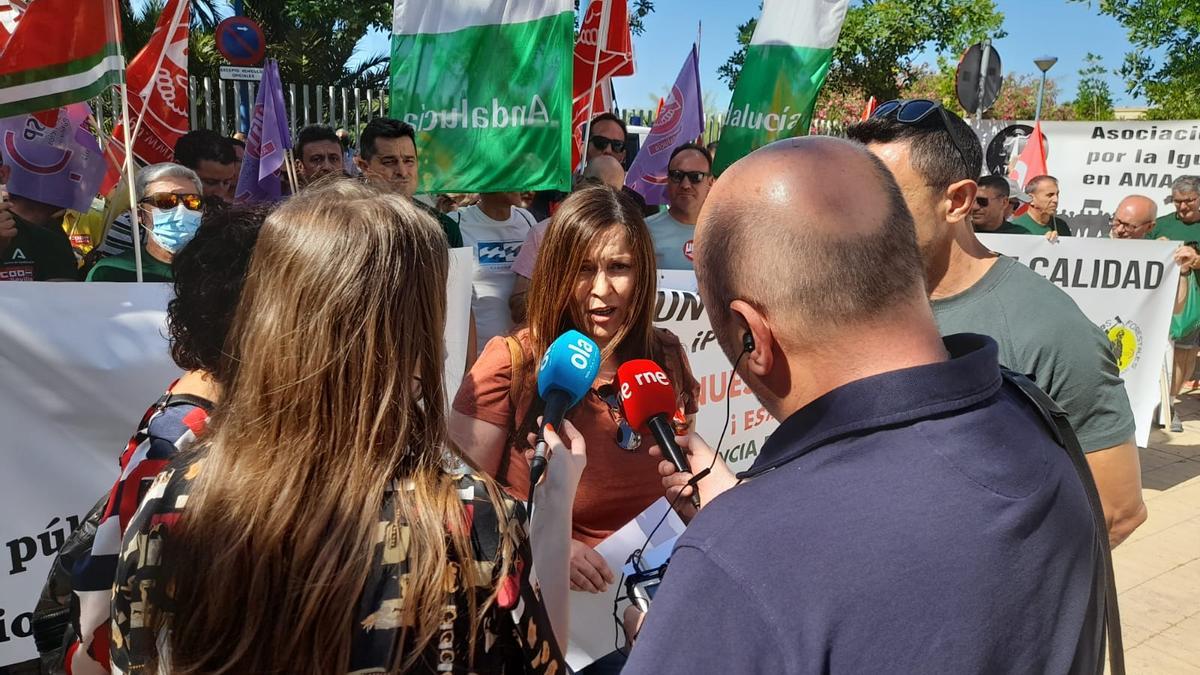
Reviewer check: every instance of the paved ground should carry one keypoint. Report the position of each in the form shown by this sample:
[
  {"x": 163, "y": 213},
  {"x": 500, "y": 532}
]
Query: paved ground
[{"x": 1158, "y": 567}]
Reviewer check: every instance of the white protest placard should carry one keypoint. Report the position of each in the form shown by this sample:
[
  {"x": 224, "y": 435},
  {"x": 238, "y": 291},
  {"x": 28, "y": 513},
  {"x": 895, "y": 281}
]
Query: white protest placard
[
  {"x": 1097, "y": 164},
  {"x": 79, "y": 364},
  {"x": 1125, "y": 287}
]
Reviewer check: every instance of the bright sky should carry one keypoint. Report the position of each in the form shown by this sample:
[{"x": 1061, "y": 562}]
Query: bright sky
[{"x": 1068, "y": 30}]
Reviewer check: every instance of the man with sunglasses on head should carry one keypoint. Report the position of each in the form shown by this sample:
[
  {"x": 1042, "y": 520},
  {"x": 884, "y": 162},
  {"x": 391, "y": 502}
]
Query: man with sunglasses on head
[
  {"x": 992, "y": 207},
  {"x": 689, "y": 178},
  {"x": 33, "y": 247},
  {"x": 170, "y": 206},
  {"x": 935, "y": 158}
]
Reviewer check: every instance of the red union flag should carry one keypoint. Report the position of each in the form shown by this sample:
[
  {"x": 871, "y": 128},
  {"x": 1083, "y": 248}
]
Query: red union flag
[
  {"x": 60, "y": 52},
  {"x": 608, "y": 54},
  {"x": 158, "y": 93},
  {"x": 10, "y": 14},
  {"x": 1031, "y": 163}
]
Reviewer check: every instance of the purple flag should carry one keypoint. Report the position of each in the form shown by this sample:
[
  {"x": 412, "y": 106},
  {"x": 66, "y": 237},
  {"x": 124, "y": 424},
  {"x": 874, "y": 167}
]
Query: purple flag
[
  {"x": 60, "y": 165},
  {"x": 267, "y": 142},
  {"x": 681, "y": 121}
]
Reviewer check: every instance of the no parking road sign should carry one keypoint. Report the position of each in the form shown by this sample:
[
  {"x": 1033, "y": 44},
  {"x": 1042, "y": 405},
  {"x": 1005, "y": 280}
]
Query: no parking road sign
[{"x": 240, "y": 40}]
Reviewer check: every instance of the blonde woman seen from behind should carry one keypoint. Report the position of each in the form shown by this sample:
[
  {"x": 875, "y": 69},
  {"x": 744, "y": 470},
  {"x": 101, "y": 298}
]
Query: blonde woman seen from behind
[{"x": 316, "y": 529}]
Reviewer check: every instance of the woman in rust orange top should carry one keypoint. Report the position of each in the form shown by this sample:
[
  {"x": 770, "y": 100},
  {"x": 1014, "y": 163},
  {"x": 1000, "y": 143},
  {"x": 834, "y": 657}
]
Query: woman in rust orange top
[{"x": 595, "y": 273}]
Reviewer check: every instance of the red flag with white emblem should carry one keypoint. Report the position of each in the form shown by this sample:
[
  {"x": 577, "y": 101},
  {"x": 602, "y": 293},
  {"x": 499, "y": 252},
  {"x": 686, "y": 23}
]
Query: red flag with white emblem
[{"x": 604, "y": 51}]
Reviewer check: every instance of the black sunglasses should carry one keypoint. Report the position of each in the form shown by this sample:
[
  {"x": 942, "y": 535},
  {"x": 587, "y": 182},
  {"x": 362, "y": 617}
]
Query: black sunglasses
[
  {"x": 601, "y": 143},
  {"x": 982, "y": 202},
  {"x": 694, "y": 177},
  {"x": 627, "y": 438},
  {"x": 916, "y": 110}
]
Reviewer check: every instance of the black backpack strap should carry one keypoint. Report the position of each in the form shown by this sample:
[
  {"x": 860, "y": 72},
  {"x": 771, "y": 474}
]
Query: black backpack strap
[
  {"x": 1105, "y": 583},
  {"x": 170, "y": 400}
]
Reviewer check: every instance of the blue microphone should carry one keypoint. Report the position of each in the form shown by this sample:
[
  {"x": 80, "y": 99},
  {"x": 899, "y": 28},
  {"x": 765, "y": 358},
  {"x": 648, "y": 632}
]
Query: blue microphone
[{"x": 564, "y": 377}]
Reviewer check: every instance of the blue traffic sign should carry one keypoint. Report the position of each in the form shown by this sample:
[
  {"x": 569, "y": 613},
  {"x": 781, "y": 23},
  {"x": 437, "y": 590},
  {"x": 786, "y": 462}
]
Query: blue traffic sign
[{"x": 240, "y": 40}]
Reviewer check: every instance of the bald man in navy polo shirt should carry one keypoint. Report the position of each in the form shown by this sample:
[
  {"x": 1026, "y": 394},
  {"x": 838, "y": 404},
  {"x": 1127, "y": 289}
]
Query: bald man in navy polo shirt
[{"x": 913, "y": 513}]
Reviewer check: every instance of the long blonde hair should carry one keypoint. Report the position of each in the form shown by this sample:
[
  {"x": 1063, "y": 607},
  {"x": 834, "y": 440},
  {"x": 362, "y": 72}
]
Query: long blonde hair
[{"x": 337, "y": 390}]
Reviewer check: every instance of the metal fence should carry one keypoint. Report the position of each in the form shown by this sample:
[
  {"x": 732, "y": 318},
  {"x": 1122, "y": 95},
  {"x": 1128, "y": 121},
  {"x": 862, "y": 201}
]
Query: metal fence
[{"x": 216, "y": 104}]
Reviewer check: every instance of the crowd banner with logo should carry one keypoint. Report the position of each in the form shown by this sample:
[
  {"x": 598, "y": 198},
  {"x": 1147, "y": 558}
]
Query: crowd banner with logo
[
  {"x": 1098, "y": 164},
  {"x": 50, "y": 61},
  {"x": 1127, "y": 288},
  {"x": 158, "y": 96},
  {"x": 786, "y": 65},
  {"x": 57, "y": 163},
  {"x": 79, "y": 364},
  {"x": 680, "y": 121},
  {"x": 488, "y": 87}
]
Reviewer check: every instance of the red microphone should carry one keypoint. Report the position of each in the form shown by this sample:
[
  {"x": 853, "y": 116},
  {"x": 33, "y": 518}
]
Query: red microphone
[{"x": 648, "y": 400}]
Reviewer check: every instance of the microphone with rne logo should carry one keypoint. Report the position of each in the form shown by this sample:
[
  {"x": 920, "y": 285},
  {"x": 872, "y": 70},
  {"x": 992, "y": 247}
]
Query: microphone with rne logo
[
  {"x": 648, "y": 400},
  {"x": 564, "y": 377}
]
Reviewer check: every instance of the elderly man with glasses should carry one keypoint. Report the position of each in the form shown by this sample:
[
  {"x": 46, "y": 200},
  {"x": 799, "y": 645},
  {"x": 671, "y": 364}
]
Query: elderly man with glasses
[
  {"x": 170, "y": 206},
  {"x": 689, "y": 178}
]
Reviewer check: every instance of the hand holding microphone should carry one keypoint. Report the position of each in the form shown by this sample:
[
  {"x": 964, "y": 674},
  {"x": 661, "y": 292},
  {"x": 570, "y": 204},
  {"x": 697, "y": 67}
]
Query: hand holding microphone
[
  {"x": 564, "y": 377},
  {"x": 648, "y": 400}
]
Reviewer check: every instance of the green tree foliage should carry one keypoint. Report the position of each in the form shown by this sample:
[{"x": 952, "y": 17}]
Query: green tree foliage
[
  {"x": 881, "y": 39},
  {"x": 1170, "y": 28},
  {"x": 1093, "y": 101}
]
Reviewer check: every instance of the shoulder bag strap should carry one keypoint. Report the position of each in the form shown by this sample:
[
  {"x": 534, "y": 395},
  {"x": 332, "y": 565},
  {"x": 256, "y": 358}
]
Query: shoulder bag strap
[{"x": 1106, "y": 586}]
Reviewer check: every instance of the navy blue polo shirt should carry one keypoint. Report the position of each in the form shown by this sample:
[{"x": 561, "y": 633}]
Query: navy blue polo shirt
[{"x": 918, "y": 521}]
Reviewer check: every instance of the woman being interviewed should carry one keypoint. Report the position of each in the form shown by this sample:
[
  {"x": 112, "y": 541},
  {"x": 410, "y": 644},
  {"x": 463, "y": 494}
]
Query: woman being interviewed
[
  {"x": 315, "y": 529},
  {"x": 595, "y": 273}
]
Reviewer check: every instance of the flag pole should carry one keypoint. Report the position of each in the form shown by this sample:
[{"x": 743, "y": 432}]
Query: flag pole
[
  {"x": 601, "y": 43},
  {"x": 134, "y": 225}
]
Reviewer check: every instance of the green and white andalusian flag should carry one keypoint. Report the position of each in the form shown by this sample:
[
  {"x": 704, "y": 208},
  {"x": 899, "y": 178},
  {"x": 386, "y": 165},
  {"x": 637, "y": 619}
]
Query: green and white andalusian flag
[
  {"x": 487, "y": 84},
  {"x": 785, "y": 67}
]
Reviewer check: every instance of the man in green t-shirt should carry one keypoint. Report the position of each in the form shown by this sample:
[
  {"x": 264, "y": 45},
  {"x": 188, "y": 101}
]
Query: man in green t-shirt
[
  {"x": 1041, "y": 217},
  {"x": 1183, "y": 226},
  {"x": 1038, "y": 327},
  {"x": 170, "y": 204},
  {"x": 992, "y": 207},
  {"x": 32, "y": 248}
]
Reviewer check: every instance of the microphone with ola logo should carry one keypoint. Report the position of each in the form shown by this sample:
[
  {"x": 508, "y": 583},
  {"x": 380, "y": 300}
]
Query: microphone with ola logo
[
  {"x": 564, "y": 377},
  {"x": 648, "y": 400}
]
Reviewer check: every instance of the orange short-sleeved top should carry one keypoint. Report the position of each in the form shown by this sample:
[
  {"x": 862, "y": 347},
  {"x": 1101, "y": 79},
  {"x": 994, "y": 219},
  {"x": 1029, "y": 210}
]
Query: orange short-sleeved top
[{"x": 617, "y": 484}]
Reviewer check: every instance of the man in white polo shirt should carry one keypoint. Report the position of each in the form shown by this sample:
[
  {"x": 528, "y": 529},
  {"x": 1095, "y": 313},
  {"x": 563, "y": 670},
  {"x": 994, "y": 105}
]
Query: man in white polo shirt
[{"x": 689, "y": 178}]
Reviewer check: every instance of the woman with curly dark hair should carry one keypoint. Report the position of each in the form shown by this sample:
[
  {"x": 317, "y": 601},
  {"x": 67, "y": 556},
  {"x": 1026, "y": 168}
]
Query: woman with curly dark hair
[{"x": 208, "y": 277}]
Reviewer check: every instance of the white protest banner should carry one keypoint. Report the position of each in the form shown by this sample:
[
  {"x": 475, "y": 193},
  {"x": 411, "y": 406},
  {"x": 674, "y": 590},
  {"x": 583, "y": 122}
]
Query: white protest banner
[
  {"x": 79, "y": 364},
  {"x": 1098, "y": 164},
  {"x": 682, "y": 313},
  {"x": 1125, "y": 287}
]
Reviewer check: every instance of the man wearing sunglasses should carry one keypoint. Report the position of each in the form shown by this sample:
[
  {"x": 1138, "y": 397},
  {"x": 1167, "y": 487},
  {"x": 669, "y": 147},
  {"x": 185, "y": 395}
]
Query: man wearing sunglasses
[
  {"x": 992, "y": 207},
  {"x": 170, "y": 205},
  {"x": 935, "y": 158},
  {"x": 689, "y": 178},
  {"x": 607, "y": 138}
]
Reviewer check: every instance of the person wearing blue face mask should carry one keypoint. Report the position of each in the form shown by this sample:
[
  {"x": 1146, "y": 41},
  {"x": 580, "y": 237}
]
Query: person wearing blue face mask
[{"x": 170, "y": 206}]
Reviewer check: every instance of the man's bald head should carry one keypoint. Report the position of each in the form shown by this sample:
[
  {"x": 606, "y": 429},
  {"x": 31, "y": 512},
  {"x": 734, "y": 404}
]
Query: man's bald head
[
  {"x": 606, "y": 169},
  {"x": 813, "y": 231},
  {"x": 1134, "y": 217}
]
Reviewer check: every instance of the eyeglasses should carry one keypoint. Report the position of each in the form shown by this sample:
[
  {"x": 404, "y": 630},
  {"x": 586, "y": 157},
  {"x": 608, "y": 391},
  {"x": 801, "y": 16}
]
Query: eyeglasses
[
  {"x": 1118, "y": 224},
  {"x": 627, "y": 438},
  {"x": 601, "y": 143},
  {"x": 169, "y": 200},
  {"x": 982, "y": 202},
  {"x": 916, "y": 110},
  {"x": 694, "y": 177},
  {"x": 1185, "y": 202}
]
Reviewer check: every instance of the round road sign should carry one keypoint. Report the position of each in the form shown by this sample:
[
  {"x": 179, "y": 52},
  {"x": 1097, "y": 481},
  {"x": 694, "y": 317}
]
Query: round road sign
[{"x": 240, "y": 40}]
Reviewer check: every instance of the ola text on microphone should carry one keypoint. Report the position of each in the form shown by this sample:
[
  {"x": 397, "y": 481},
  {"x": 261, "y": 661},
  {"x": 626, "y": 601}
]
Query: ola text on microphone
[{"x": 565, "y": 375}]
